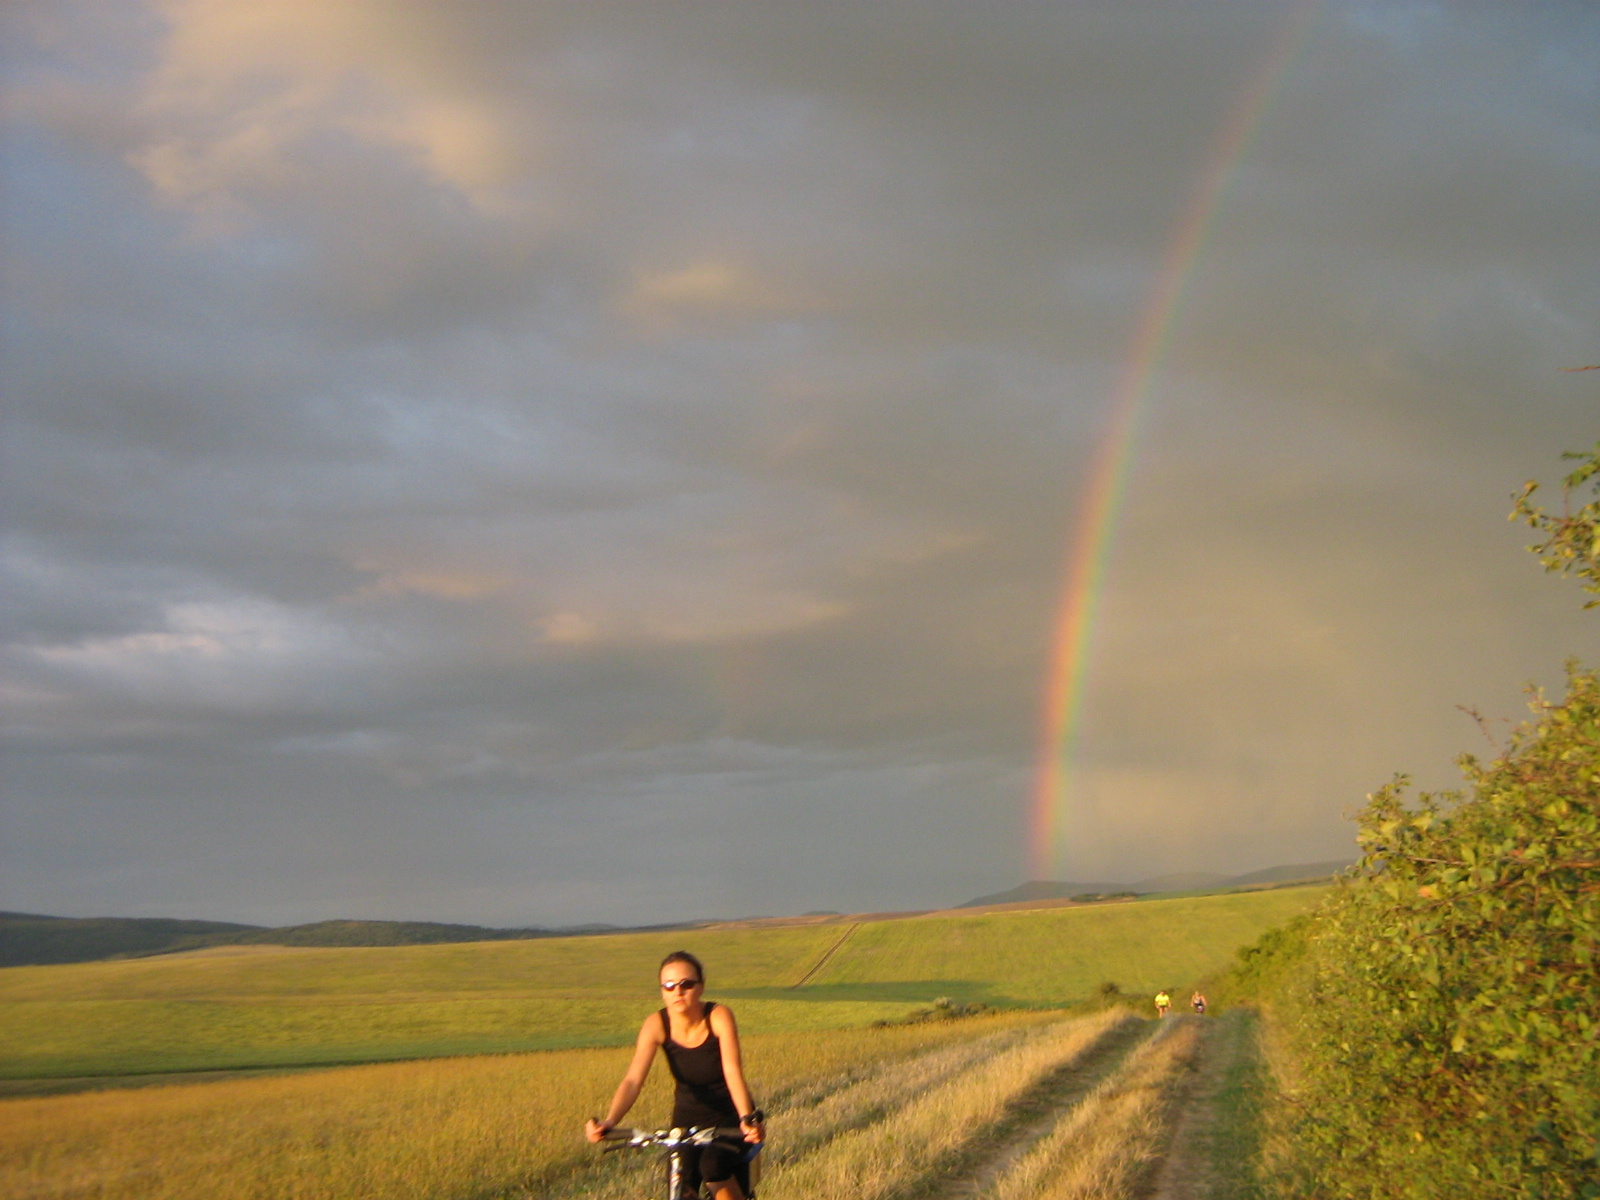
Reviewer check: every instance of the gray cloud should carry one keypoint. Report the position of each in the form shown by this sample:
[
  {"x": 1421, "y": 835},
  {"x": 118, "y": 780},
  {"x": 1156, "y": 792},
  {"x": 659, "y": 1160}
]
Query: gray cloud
[{"x": 558, "y": 463}]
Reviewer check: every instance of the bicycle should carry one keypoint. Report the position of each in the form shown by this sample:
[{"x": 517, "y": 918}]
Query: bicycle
[{"x": 676, "y": 1141}]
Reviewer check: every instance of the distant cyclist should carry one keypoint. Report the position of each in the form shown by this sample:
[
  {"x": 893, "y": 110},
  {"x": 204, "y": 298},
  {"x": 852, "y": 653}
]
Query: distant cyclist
[
  {"x": 701, "y": 1043},
  {"x": 1163, "y": 1003},
  {"x": 1198, "y": 1003}
]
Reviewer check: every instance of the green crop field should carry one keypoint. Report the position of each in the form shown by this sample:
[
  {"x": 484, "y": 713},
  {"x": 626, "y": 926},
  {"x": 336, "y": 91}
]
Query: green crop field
[
  {"x": 1051, "y": 956},
  {"x": 236, "y": 1007}
]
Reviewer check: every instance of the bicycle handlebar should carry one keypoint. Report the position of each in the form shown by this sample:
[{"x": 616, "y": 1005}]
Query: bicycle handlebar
[{"x": 671, "y": 1139}]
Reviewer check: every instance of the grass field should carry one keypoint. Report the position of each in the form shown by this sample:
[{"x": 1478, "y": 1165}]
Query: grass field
[
  {"x": 482, "y": 1127},
  {"x": 237, "y": 1007},
  {"x": 1052, "y": 956}
]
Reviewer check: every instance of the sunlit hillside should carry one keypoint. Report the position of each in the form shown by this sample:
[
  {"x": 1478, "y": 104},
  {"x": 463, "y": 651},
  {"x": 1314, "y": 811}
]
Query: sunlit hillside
[{"x": 235, "y": 1007}]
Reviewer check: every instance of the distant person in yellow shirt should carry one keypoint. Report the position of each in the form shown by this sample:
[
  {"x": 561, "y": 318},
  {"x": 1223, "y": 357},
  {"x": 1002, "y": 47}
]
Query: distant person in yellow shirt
[{"x": 1163, "y": 1003}]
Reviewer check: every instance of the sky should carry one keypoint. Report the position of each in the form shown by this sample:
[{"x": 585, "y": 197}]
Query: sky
[{"x": 551, "y": 463}]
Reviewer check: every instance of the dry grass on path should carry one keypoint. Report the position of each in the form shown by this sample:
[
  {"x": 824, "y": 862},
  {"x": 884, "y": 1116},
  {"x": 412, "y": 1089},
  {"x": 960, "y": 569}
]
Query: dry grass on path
[
  {"x": 1104, "y": 1148},
  {"x": 937, "y": 1121}
]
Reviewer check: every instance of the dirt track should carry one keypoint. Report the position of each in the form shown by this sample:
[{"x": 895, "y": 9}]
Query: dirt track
[
  {"x": 1184, "y": 1167},
  {"x": 1036, "y": 1114},
  {"x": 1185, "y": 1172}
]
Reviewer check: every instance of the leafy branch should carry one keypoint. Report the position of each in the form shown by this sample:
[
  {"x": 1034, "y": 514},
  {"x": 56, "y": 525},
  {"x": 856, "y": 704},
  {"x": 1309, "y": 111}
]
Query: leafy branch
[{"x": 1571, "y": 543}]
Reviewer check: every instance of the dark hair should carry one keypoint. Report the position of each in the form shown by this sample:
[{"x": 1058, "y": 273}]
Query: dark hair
[{"x": 683, "y": 956}]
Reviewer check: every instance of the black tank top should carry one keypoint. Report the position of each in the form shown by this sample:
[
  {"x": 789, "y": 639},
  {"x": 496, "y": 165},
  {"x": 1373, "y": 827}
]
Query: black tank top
[{"x": 702, "y": 1097}]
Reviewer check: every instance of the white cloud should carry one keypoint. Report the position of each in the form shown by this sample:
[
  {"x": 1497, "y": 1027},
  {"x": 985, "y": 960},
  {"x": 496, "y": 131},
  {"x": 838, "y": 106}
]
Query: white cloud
[{"x": 245, "y": 652}]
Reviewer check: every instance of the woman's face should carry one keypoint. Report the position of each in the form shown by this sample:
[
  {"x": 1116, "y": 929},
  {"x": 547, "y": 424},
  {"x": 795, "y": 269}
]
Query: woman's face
[{"x": 680, "y": 985}]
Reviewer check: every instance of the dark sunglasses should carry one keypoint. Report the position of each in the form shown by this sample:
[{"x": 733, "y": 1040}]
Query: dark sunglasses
[{"x": 680, "y": 985}]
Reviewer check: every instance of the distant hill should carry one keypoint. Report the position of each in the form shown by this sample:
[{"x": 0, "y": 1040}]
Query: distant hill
[
  {"x": 1292, "y": 874},
  {"x": 1183, "y": 881},
  {"x": 379, "y": 933},
  {"x": 32, "y": 939},
  {"x": 1045, "y": 889},
  {"x": 29, "y": 939}
]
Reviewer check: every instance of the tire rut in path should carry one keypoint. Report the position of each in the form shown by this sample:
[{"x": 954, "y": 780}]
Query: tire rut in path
[
  {"x": 1034, "y": 1114},
  {"x": 827, "y": 955},
  {"x": 1184, "y": 1172}
]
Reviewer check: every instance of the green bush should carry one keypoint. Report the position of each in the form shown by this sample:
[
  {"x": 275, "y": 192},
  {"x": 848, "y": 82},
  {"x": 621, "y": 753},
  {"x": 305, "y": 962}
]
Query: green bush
[
  {"x": 944, "y": 1009},
  {"x": 1439, "y": 1010}
]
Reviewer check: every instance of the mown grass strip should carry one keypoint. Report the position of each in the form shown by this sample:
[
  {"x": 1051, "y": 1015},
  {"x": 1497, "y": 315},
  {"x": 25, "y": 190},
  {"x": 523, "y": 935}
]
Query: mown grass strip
[
  {"x": 1036, "y": 1113},
  {"x": 1104, "y": 1148},
  {"x": 1234, "y": 1142},
  {"x": 935, "y": 1131}
]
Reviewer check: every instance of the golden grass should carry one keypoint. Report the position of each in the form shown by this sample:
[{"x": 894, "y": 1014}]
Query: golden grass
[
  {"x": 939, "y": 1117},
  {"x": 1104, "y": 1146},
  {"x": 480, "y": 1127},
  {"x": 825, "y": 1110}
]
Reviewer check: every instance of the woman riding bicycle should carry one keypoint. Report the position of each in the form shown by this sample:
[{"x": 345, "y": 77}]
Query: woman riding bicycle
[{"x": 701, "y": 1042}]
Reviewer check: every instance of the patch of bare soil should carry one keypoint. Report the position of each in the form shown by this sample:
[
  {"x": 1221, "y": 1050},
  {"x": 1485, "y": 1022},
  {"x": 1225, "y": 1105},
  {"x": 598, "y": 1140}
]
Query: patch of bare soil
[{"x": 1035, "y": 1114}]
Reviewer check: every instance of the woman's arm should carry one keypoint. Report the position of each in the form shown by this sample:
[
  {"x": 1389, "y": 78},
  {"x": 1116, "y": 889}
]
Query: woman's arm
[
  {"x": 644, "y": 1053},
  {"x": 727, "y": 1031}
]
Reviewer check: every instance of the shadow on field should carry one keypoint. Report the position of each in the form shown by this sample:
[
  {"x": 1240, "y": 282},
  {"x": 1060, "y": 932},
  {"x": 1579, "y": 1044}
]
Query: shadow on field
[{"x": 916, "y": 991}]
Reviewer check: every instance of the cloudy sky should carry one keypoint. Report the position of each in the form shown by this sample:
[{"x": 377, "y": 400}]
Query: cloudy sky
[{"x": 540, "y": 463}]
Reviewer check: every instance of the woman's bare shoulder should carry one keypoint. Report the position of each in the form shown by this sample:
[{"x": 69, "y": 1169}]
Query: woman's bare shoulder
[{"x": 721, "y": 1018}]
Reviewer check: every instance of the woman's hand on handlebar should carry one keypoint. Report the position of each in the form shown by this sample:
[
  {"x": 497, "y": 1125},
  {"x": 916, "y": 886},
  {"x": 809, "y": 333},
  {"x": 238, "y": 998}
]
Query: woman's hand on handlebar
[
  {"x": 753, "y": 1127},
  {"x": 595, "y": 1130}
]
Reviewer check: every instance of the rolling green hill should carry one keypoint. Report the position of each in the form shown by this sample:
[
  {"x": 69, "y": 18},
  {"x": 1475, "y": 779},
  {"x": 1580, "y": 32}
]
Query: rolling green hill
[
  {"x": 1054, "y": 955},
  {"x": 27, "y": 939},
  {"x": 245, "y": 1006},
  {"x": 31, "y": 939}
]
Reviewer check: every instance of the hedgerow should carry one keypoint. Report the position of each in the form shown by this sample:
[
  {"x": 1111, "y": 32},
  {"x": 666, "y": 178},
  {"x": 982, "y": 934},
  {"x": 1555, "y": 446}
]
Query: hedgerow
[
  {"x": 1440, "y": 1009},
  {"x": 1436, "y": 1018}
]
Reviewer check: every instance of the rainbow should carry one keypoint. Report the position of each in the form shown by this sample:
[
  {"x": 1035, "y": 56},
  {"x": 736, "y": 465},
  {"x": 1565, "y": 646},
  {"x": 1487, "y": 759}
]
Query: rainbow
[{"x": 1085, "y": 574}]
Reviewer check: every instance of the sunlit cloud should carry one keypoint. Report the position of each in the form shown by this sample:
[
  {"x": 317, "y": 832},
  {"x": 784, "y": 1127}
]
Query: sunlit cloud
[
  {"x": 250, "y": 101},
  {"x": 713, "y": 290}
]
